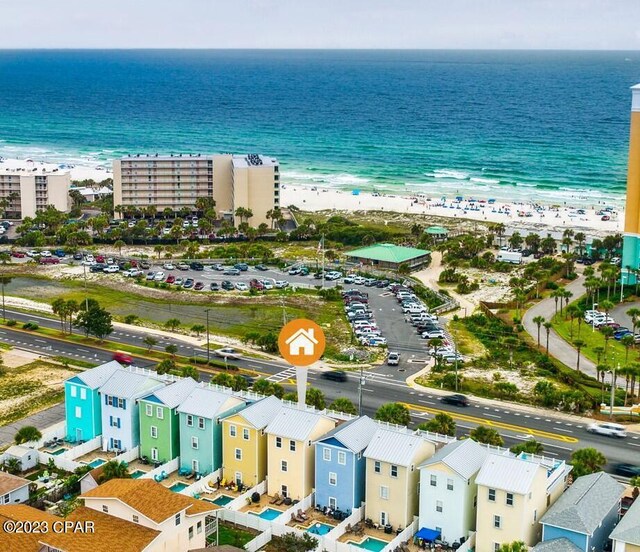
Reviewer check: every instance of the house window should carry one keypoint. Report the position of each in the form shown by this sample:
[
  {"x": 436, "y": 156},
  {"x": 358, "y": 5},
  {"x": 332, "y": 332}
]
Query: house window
[
  {"x": 160, "y": 412},
  {"x": 278, "y": 442},
  {"x": 434, "y": 480},
  {"x": 121, "y": 403},
  {"x": 535, "y": 516},
  {"x": 148, "y": 410},
  {"x": 194, "y": 442},
  {"x": 333, "y": 478},
  {"x": 394, "y": 471},
  {"x": 105, "y": 508},
  {"x": 438, "y": 505},
  {"x": 284, "y": 491},
  {"x": 326, "y": 454},
  {"x": 73, "y": 390},
  {"x": 497, "y": 522},
  {"x": 200, "y": 423},
  {"x": 492, "y": 495},
  {"x": 135, "y": 518},
  {"x": 292, "y": 445},
  {"x": 199, "y": 527},
  {"x": 178, "y": 518},
  {"x": 154, "y": 454},
  {"x": 78, "y": 412},
  {"x": 238, "y": 454},
  {"x": 232, "y": 430},
  {"x": 333, "y": 503},
  {"x": 384, "y": 492},
  {"x": 449, "y": 484},
  {"x": 6, "y": 498},
  {"x": 191, "y": 532},
  {"x": 283, "y": 465},
  {"x": 342, "y": 458},
  {"x": 509, "y": 499},
  {"x": 195, "y": 465},
  {"x": 154, "y": 432},
  {"x": 83, "y": 393},
  {"x": 245, "y": 434},
  {"x": 496, "y": 547},
  {"x": 376, "y": 467},
  {"x": 189, "y": 420}
]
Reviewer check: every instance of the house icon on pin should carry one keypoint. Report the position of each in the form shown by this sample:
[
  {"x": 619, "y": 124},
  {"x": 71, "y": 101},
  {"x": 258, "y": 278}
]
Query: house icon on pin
[{"x": 302, "y": 342}]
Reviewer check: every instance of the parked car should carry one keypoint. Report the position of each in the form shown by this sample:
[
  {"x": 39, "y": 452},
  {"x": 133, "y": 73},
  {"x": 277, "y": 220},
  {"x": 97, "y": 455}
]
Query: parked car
[
  {"x": 348, "y": 279},
  {"x": 432, "y": 334},
  {"x": 198, "y": 286},
  {"x": 608, "y": 429},
  {"x": 196, "y": 266},
  {"x": 281, "y": 284},
  {"x": 168, "y": 266},
  {"x": 256, "y": 284},
  {"x": 112, "y": 269},
  {"x": 241, "y": 286},
  {"x": 179, "y": 281},
  {"x": 145, "y": 265},
  {"x": 33, "y": 253},
  {"x": 261, "y": 267},
  {"x": 227, "y": 285},
  {"x": 231, "y": 272},
  {"x": 49, "y": 260},
  {"x": 188, "y": 283},
  {"x": 182, "y": 266},
  {"x": 377, "y": 341},
  {"x": 267, "y": 284},
  {"x": 456, "y": 400},
  {"x": 159, "y": 276},
  {"x": 334, "y": 375},
  {"x": 217, "y": 266},
  {"x": 243, "y": 267},
  {"x": 150, "y": 275},
  {"x": 393, "y": 359},
  {"x": 60, "y": 253},
  {"x": 227, "y": 352},
  {"x": 214, "y": 286},
  {"x": 21, "y": 255},
  {"x": 170, "y": 279}
]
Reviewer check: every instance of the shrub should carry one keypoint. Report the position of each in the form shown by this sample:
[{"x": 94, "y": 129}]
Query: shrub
[
  {"x": 12, "y": 322},
  {"x": 30, "y": 326}
]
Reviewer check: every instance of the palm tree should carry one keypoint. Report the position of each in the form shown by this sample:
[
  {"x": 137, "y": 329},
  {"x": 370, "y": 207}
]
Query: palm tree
[
  {"x": 607, "y": 332},
  {"x": 606, "y": 306},
  {"x": 627, "y": 342},
  {"x": 442, "y": 423},
  {"x": 634, "y": 314},
  {"x": 547, "y": 326},
  {"x": 119, "y": 244},
  {"x": 114, "y": 470},
  {"x": 26, "y": 434},
  {"x": 172, "y": 324},
  {"x": 486, "y": 435},
  {"x": 149, "y": 341},
  {"x": 578, "y": 344},
  {"x": 586, "y": 461},
  {"x": 198, "y": 329},
  {"x": 13, "y": 465},
  {"x": 538, "y": 321}
]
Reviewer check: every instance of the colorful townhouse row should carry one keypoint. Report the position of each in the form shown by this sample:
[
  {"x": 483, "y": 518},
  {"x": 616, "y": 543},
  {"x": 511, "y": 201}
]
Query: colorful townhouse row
[{"x": 456, "y": 487}]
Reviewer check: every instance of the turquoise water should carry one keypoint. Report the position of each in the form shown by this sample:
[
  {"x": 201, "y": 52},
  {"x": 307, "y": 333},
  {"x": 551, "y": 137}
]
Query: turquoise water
[
  {"x": 319, "y": 529},
  {"x": 268, "y": 513},
  {"x": 97, "y": 462},
  {"x": 496, "y": 123},
  {"x": 177, "y": 487},
  {"x": 138, "y": 473},
  {"x": 59, "y": 451},
  {"x": 222, "y": 500},
  {"x": 375, "y": 545}
]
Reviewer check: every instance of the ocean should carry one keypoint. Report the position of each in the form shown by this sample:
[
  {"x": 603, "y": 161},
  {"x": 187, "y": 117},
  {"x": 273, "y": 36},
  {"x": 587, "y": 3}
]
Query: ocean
[{"x": 527, "y": 125}]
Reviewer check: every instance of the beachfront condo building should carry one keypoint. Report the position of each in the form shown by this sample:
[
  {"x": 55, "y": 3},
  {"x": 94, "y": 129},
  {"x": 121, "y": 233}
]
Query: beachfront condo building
[
  {"x": 30, "y": 192},
  {"x": 177, "y": 181},
  {"x": 631, "y": 247}
]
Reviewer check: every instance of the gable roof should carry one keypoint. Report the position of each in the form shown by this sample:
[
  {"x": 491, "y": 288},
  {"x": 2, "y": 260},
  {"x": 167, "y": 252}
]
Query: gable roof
[
  {"x": 207, "y": 403},
  {"x": 355, "y": 434},
  {"x": 151, "y": 499},
  {"x": 556, "y": 545},
  {"x": 387, "y": 252},
  {"x": 109, "y": 533},
  {"x": 464, "y": 457},
  {"x": 628, "y": 529},
  {"x": 260, "y": 413},
  {"x": 21, "y": 512},
  {"x": 18, "y": 451},
  {"x": 128, "y": 385},
  {"x": 95, "y": 473},
  {"x": 292, "y": 423},
  {"x": 10, "y": 483},
  {"x": 394, "y": 447},
  {"x": 96, "y": 377},
  {"x": 173, "y": 394},
  {"x": 507, "y": 473},
  {"x": 585, "y": 504},
  {"x": 305, "y": 334}
]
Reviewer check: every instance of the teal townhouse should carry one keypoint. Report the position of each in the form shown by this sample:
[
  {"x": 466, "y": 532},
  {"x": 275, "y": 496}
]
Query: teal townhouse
[
  {"x": 159, "y": 428},
  {"x": 83, "y": 408},
  {"x": 200, "y": 428}
]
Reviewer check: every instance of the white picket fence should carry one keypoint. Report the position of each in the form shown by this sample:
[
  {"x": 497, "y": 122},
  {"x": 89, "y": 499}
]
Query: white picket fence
[
  {"x": 197, "y": 486},
  {"x": 245, "y": 519},
  {"x": 259, "y": 541},
  {"x": 341, "y": 528},
  {"x": 406, "y": 535},
  {"x": 84, "y": 448},
  {"x": 169, "y": 467},
  {"x": 129, "y": 455},
  {"x": 306, "y": 503},
  {"x": 241, "y": 500},
  {"x": 59, "y": 460}
]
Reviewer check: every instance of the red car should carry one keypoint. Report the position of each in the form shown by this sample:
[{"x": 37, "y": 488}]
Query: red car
[
  {"x": 49, "y": 260},
  {"x": 100, "y": 259},
  {"x": 134, "y": 264},
  {"x": 18, "y": 254},
  {"x": 170, "y": 279},
  {"x": 123, "y": 358},
  {"x": 256, "y": 284},
  {"x": 198, "y": 286}
]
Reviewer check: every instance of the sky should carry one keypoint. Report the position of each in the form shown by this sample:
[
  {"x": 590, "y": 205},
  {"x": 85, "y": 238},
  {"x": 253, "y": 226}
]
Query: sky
[{"x": 475, "y": 24}]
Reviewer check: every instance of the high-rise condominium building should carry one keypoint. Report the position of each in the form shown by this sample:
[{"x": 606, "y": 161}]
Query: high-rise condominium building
[
  {"x": 177, "y": 181},
  {"x": 31, "y": 191}
]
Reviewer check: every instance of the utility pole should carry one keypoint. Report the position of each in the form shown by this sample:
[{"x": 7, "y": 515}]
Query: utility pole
[
  {"x": 613, "y": 391},
  {"x": 4, "y": 316},
  {"x": 86, "y": 294},
  {"x": 622, "y": 285},
  {"x": 208, "y": 350},
  {"x": 322, "y": 243},
  {"x": 455, "y": 352},
  {"x": 360, "y": 390}
]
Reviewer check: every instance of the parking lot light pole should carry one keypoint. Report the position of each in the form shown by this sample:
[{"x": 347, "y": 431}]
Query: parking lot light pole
[
  {"x": 613, "y": 390},
  {"x": 360, "y": 390},
  {"x": 208, "y": 350},
  {"x": 593, "y": 320}
]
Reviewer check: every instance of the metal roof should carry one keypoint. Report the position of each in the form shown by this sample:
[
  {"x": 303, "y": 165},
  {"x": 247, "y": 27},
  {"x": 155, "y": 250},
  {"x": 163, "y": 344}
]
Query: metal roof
[
  {"x": 355, "y": 434},
  {"x": 556, "y": 545},
  {"x": 393, "y": 447},
  {"x": 628, "y": 529},
  {"x": 207, "y": 403},
  {"x": 294, "y": 423},
  {"x": 260, "y": 413},
  {"x": 388, "y": 252},
  {"x": 128, "y": 385},
  {"x": 173, "y": 394},
  {"x": 507, "y": 473},
  {"x": 585, "y": 504},
  {"x": 463, "y": 457},
  {"x": 96, "y": 377}
]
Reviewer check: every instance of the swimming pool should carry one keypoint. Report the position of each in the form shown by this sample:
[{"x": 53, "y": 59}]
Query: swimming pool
[
  {"x": 268, "y": 514},
  {"x": 177, "y": 487},
  {"x": 319, "y": 528},
  {"x": 222, "y": 500},
  {"x": 97, "y": 462},
  {"x": 58, "y": 452},
  {"x": 375, "y": 545},
  {"x": 136, "y": 474}
]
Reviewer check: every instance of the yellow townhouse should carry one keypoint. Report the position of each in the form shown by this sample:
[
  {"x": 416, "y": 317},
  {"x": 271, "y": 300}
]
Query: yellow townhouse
[
  {"x": 290, "y": 456},
  {"x": 513, "y": 494},
  {"x": 392, "y": 476},
  {"x": 244, "y": 442}
]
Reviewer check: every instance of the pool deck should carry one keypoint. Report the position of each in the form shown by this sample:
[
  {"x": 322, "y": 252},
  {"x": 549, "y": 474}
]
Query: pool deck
[
  {"x": 265, "y": 502},
  {"x": 313, "y": 517},
  {"x": 96, "y": 453},
  {"x": 368, "y": 532}
]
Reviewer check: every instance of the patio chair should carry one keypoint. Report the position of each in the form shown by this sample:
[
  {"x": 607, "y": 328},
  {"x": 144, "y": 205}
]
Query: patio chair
[
  {"x": 184, "y": 471},
  {"x": 275, "y": 499},
  {"x": 280, "y": 501},
  {"x": 302, "y": 514},
  {"x": 348, "y": 528}
]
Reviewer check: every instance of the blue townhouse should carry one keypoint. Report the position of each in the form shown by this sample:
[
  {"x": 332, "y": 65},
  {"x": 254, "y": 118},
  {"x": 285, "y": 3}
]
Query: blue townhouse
[
  {"x": 585, "y": 514},
  {"x": 339, "y": 458},
  {"x": 83, "y": 408}
]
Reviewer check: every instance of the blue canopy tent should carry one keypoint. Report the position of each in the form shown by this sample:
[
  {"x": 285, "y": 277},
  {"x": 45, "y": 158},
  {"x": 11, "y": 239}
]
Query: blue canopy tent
[{"x": 426, "y": 534}]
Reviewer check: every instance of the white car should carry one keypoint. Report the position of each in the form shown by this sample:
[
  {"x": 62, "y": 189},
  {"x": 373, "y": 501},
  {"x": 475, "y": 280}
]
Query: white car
[
  {"x": 359, "y": 280},
  {"x": 166, "y": 231},
  {"x": 281, "y": 284},
  {"x": 393, "y": 359},
  {"x": 432, "y": 334},
  {"x": 268, "y": 284},
  {"x": 377, "y": 341},
  {"x": 609, "y": 429},
  {"x": 227, "y": 352},
  {"x": 46, "y": 253},
  {"x": 159, "y": 276},
  {"x": 111, "y": 268},
  {"x": 90, "y": 258},
  {"x": 241, "y": 286},
  {"x": 168, "y": 266}
]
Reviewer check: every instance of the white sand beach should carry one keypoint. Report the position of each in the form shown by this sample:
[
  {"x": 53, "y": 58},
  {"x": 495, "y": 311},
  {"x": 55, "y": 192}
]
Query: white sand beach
[{"x": 78, "y": 172}]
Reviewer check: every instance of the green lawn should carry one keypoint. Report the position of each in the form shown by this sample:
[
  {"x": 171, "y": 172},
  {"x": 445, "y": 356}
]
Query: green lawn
[{"x": 232, "y": 535}]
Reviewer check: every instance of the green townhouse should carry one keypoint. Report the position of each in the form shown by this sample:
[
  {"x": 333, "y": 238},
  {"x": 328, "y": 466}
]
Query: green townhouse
[
  {"x": 201, "y": 428},
  {"x": 159, "y": 428}
]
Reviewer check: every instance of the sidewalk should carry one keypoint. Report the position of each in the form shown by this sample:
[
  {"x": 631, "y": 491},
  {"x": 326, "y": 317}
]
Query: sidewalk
[{"x": 41, "y": 420}]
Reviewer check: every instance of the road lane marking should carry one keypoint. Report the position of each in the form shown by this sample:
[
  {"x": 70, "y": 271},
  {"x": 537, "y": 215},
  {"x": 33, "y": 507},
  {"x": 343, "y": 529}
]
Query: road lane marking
[
  {"x": 495, "y": 416},
  {"x": 563, "y": 429}
]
